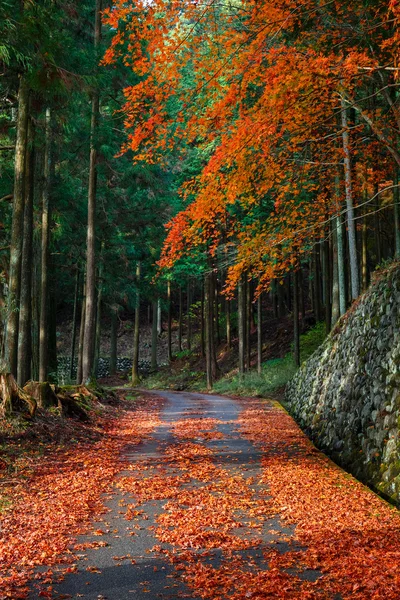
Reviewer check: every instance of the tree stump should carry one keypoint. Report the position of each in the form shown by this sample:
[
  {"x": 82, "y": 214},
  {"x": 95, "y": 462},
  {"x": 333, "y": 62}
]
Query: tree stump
[
  {"x": 11, "y": 394},
  {"x": 43, "y": 393}
]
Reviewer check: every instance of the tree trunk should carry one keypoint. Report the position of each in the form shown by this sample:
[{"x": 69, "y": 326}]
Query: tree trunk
[
  {"x": 335, "y": 279},
  {"x": 14, "y": 282},
  {"x": 25, "y": 313},
  {"x": 241, "y": 327},
  {"x": 216, "y": 321},
  {"x": 98, "y": 322},
  {"x": 259, "y": 334},
  {"x": 180, "y": 325},
  {"x": 327, "y": 285},
  {"x": 208, "y": 329},
  {"x": 114, "y": 340},
  {"x": 74, "y": 325},
  {"x": 317, "y": 285},
  {"x": 364, "y": 264},
  {"x": 341, "y": 266},
  {"x": 136, "y": 331},
  {"x": 202, "y": 335},
  {"x": 248, "y": 325},
  {"x": 159, "y": 317},
  {"x": 154, "y": 334},
  {"x": 90, "y": 313},
  {"x": 296, "y": 324},
  {"x": 228, "y": 323},
  {"x": 81, "y": 338},
  {"x": 44, "y": 282},
  {"x": 52, "y": 352},
  {"x": 214, "y": 363},
  {"x": 354, "y": 276},
  {"x": 189, "y": 317},
  {"x": 169, "y": 332},
  {"x": 274, "y": 298}
]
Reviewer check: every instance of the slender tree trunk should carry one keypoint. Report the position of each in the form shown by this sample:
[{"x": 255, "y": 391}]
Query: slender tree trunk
[
  {"x": 180, "y": 320},
  {"x": 114, "y": 340},
  {"x": 208, "y": 329},
  {"x": 354, "y": 276},
  {"x": 44, "y": 285},
  {"x": 396, "y": 199},
  {"x": 296, "y": 324},
  {"x": 327, "y": 285},
  {"x": 189, "y": 317},
  {"x": 202, "y": 336},
  {"x": 217, "y": 330},
  {"x": 364, "y": 263},
  {"x": 52, "y": 353},
  {"x": 228, "y": 323},
  {"x": 98, "y": 322},
  {"x": 169, "y": 325},
  {"x": 74, "y": 325},
  {"x": 136, "y": 331},
  {"x": 25, "y": 314},
  {"x": 335, "y": 280},
  {"x": 301, "y": 293},
  {"x": 159, "y": 317},
  {"x": 90, "y": 313},
  {"x": 214, "y": 364},
  {"x": 317, "y": 285},
  {"x": 341, "y": 266},
  {"x": 259, "y": 334},
  {"x": 81, "y": 338},
  {"x": 241, "y": 326},
  {"x": 14, "y": 282},
  {"x": 35, "y": 310},
  {"x": 154, "y": 333},
  {"x": 248, "y": 325}
]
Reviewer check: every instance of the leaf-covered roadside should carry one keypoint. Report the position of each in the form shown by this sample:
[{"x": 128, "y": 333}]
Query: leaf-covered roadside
[{"x": 57, "y": 487}]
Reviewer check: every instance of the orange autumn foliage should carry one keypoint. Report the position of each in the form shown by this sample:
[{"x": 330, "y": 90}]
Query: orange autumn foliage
[{"x": 261, "y": 84}]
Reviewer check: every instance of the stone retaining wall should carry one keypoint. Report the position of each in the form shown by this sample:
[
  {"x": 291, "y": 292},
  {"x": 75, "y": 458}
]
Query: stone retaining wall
[{"x": 347, "y": 395}]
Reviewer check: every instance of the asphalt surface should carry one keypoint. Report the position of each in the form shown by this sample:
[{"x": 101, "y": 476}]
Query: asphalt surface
[{"x": 124, "y": 566}]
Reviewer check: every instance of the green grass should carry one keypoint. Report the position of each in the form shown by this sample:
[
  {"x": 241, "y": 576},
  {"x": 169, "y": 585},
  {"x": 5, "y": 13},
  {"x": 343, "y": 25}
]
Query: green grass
[{"x": 275, "y": 373}]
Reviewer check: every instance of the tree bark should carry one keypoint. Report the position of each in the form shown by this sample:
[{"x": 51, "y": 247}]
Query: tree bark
[
  {"x": 317, "y": 285},
  {"x": 74, "y": 325},
  {"x": 335, "y": 279},
  {"x": 180, "y": 325},
  {"x": 90, "y": 313},
  {"x": 136, "y": 331},
  {"x": 259, "y": 334},
  {"x": 354, "y": 276},
  {"x": 241, "y": 327},
  {"x": 202, "y": 334},
  {"x": 189, "y": 317},
  {"x": 208, "y": 329},
  {"x": 114, "y": 340},
  {"x": 228, "y": 324},
  {"x": 248, "y": 325},
  {"x": 154, "y": 334},
  {"x": 364, "y": 264},
  {"x": 25, "y": 313},
  {"x": 14, "y": 282},
  {"x": 98, "y": 321},
  {"x": 327, "y": 285},
  {"x": 159, "y": 317},
  {"x": 296, "y": 324},
  {"x": 44, "y": 282},
  {"x": 169, "y": 332},
  {"x": 81, "y": 338}
]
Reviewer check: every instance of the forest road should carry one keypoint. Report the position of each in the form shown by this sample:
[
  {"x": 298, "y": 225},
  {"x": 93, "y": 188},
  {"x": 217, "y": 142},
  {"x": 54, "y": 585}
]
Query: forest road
[{"x": 190, "y": 516}]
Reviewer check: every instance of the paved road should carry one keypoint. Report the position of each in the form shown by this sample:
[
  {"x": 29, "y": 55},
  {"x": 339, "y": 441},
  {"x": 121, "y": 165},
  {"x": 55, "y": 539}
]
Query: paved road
[{"x": 198, "y": 452}]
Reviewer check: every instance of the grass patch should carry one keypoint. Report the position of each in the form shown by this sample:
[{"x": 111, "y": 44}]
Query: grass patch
[{"x": 275, "y": 373}]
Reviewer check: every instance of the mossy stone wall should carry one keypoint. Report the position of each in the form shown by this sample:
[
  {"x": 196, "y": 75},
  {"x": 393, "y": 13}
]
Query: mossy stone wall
[{"x": 347, "y": 395}]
